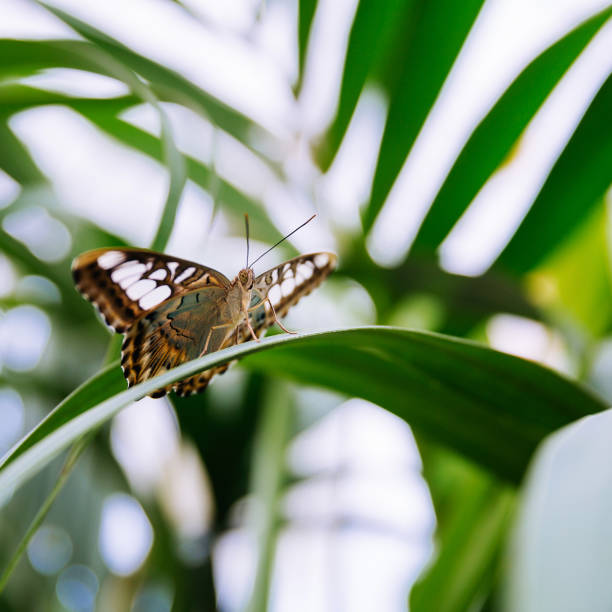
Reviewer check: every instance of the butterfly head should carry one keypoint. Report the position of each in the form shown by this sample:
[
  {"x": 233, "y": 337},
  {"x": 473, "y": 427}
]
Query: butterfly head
[{"x": 246, "y": 278}]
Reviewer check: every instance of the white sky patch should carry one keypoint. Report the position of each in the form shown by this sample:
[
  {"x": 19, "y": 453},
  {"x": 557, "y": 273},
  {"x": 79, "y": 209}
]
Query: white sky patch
[
  {"x": 9, "y": 189},
  {"x": 144, "y": 437},
  {"x": 234, "y": 558},
  {"x": 24, "y": 334},
  {"x": 12, "y": 417},
  {"x": 129, "y": 204},
  {"x": 78, "y": 83},
  {"x": 44, "y": 235},
  {"x": 325, "y": 64},
  {"x": 24, "y": 19},
  {"x": 185, "y": 494},
  {"x": 126, "y": 535},
  {"x": 347, "y": 184},
  {"x": 529, "y": 339}
]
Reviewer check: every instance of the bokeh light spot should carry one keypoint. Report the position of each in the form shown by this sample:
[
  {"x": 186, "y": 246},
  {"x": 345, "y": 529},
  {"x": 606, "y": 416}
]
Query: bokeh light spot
[
  {"x": 50, "y": 549},
  {"x": 77, "y": 588},
  {"x": 126, "y": 535}
]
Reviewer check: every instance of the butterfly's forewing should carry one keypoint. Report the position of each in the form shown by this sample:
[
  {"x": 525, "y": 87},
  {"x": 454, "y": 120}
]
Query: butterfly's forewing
[
  {"x": 124, "y": 284},
  {"x": 284, "y": 285},
  {"x": 287, "y": 283}
]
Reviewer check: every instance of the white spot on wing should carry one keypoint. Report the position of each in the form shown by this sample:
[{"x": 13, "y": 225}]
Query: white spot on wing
[
  {"x": 275, "y": 294},
  {"x": 110, "y": 259},
  {"x": 287, "y": 286},
  {"x": 155, "y": 297},
  {"x": 129, "y": 268},
  {"x": 158, "y": 274},
  {"x": 172, "y": 266},
  {"x": 138, "y": 289},
  {"x": 126, "y": 282},
  {"x": 321, "y": 260},
  {"x": 185, "y": 274},
  {"x": 305, "y": 270}
]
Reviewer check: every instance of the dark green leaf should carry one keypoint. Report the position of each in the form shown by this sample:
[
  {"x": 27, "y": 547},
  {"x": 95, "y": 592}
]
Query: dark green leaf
[
  {"x": 472, "y": 526},
  {"x": 574, "y": 187},
  {"x": 433, "y": 36},
  {"x": 492, "y": 141},
  {"x": 15, "y": 159},
  {"x": 492, "y": 407},
  {"x": 377, "y": 24},
  {"x": 306, "y": 14}
]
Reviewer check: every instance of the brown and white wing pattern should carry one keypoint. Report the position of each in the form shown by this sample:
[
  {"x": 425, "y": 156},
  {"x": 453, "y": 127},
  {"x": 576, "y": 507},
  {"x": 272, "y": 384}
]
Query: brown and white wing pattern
[
  {"x": 287, "y": 283},
  {"x": 284, "y": 285},
  {"x": 124, "y": 284}
]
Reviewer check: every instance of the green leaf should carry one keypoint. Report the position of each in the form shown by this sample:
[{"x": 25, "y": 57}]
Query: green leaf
[
  {"x": 579, "y": 179},
  {"x": 375, "y": 27},
  {"x": 560, "y": 558},
  {"x": 306, "y": 13},
  {"x": 433, "y": 36},
  {"x": 15, "y": 159},
  {"x": 19, "y": 58},
  {"x": 165, "y": 83},
  {"x": 178, "y": 177},
  {"x": 472, "y": 527},
  {"x": 492, "y": 407},
  {"x": 494, "y": 138},
  {"x": 103, "y": 113}
]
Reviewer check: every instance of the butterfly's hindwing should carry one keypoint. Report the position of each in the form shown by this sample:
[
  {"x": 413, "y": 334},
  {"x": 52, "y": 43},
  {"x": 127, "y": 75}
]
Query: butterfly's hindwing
[{"x": 124, "y": 284}]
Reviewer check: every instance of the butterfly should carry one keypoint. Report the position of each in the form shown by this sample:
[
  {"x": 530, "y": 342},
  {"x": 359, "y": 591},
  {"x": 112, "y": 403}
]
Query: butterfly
[{"x": 172, "y": 310}]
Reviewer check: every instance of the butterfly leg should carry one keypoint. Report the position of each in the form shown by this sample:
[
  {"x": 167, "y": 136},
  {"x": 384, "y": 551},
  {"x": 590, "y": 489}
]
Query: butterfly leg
[
  {"x": 210, "y": 331},
  {"x": 277, "y": 320},
  {"x": 248, "y": 322}
]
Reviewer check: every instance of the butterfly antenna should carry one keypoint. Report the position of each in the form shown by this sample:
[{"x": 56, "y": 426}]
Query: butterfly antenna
[
  {"x": 246, "y": 225},
  {"x": 283, "y": 239}
]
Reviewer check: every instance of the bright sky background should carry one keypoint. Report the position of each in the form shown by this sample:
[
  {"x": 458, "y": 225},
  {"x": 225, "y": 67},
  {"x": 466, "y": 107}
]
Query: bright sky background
[{"x": 251, "y": 66}]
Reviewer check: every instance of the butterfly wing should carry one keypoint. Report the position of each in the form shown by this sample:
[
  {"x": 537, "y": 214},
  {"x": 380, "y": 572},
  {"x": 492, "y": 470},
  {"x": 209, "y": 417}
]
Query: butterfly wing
[
  {"x": 169, "y": 307},
  {"x": 284, "y": 285},
  {"x": 125, "y": 284},
  {"x": 177, "y": 331}
]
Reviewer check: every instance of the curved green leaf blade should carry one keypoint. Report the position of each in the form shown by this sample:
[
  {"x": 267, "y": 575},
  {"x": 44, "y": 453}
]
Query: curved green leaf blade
[
  {"x": 492, "y": 407},
  {"x": 306, "y": 13},
  {"x": 178, "y": 177},
  {"x": 165, "y": 83},
  {"x": 560, "y": 559},
  {"x": 473, "y": 511},
  {"x": 493, "y": 139},
  {"x": 103, "y": 113},
  {"x": 15, "y": 159},
  {"x": 374, "y": 30},
  {"x": 433, "y": 36},
  {"x": 20, "y": 58},
  {"x": 579, "y": 179}
]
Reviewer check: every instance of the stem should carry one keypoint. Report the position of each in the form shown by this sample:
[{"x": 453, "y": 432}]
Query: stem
[
  {"x": 75, "y": 452},
  {"x": 266, "y": 485}
]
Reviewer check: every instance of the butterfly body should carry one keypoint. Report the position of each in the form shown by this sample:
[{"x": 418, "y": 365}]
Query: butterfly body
[{"x": 172, "y": 310}]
